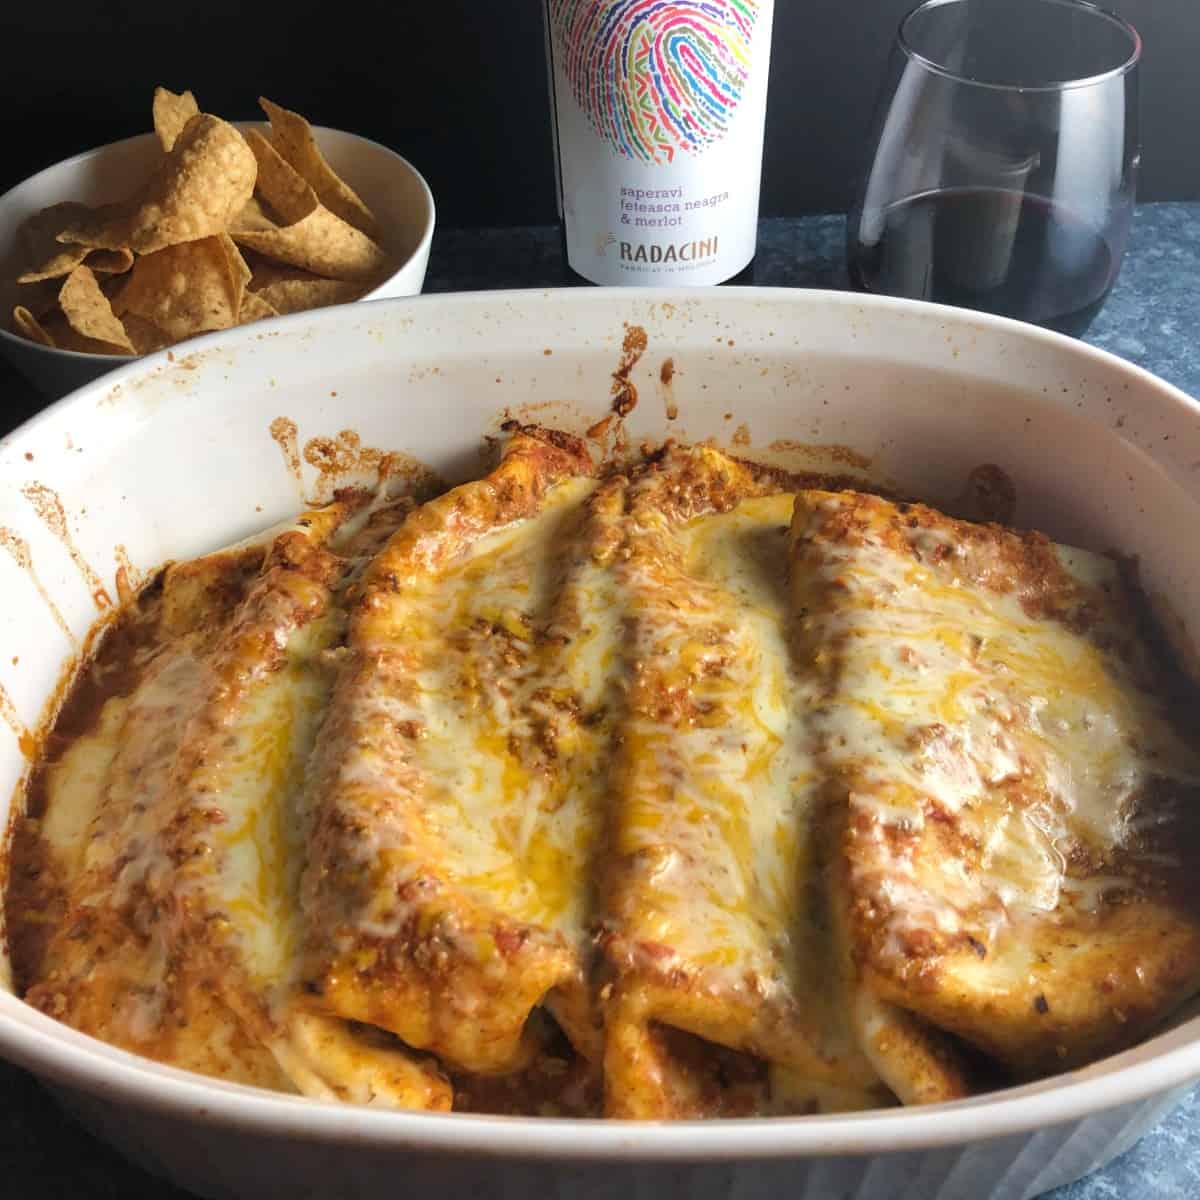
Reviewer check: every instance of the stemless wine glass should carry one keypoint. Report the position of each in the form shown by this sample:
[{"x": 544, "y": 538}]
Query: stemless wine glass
[{"x": 1004, "y": 160}]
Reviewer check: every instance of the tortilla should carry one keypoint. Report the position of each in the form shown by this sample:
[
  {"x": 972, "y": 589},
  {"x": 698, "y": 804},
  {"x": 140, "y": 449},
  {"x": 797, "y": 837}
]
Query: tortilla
[
  {"x": 171, "y": 113},
  {"x": 29, "y": 327},
  {"x": 201, "y": 185},
  {"x": 239, "y": 272},
  {"x": 184, "y": 290},
  {"x": 67, "y": 258},
  {"x": 293, "y": 137},
  {"x": 255, "y": 217},
  {"x": 312, "y": 238},
  {"x": 255, "y": 308},
  {"x": 66, "y": 338},
  {"x": 88, "y": 312},
  {"x": 170, "y": 261},
  {"x": 280, "y": 186},
  {"x": 144, "y": 334},
  {"x": 323, "y": 244},
  {"x": 48, "y": 258},
  {"x": 290, "y": 290}
]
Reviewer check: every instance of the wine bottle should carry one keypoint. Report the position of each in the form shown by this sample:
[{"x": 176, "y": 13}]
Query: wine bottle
[{"x": 658, "y": 115}]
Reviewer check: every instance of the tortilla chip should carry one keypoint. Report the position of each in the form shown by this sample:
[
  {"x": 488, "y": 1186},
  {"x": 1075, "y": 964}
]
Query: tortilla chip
[
  {"x": 26, "y": 325},
  {"x": 67, "y": 257},
  {"x": 145, "y": 335},
  {"x": 171, "y": 261},
  {"x": 254, "y": 218},
  {"x": 323, "y": 244},
  {"x": 40, "y": 297},
  {"x": 66, "y": 338},
  {"x": 201, "y": 185},
  {"x": 254, "y": 308},
  {"x": 289, "y": 290},
  {"x": 171, "y": 114},
  {"x": 277, "y": 184},
  {"x": 61, "y": 264},
  {"x": 264, "y": 273},
  {"x": 109, "y": 262},
  {"x": 48, "y": 258},
  {"x": 239, "y": 272},
  {"x": 40, "y": 231},
  {"x": 57, "y": 265},
  {"x": 89, "y": 314},
  {"x": 311, "y": 237},
  {"x": 183, "y": 290},
  {"x": 106, "y": 227},
  {"x": 293, "y": 137}
]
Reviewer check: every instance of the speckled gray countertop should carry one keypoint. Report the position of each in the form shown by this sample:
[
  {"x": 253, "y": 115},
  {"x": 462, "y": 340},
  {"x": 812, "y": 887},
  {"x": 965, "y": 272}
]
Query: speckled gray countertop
[{"x": 1150, "y": 318}]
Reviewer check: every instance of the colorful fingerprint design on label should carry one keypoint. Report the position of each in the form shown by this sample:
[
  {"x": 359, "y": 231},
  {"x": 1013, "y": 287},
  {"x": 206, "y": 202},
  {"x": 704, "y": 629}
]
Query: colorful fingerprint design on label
[{"x": 656, "y": 76}]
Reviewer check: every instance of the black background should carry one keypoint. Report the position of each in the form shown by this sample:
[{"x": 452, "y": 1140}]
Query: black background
[{"x": 459, "y": 87}]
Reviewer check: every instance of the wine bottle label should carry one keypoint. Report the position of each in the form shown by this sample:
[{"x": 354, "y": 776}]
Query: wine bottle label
[{"x": 659, "y": 109}]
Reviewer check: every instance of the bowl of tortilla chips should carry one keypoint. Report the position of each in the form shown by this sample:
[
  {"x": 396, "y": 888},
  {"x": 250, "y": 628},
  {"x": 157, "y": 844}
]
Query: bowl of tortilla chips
[{"x": 201, "y": 225}]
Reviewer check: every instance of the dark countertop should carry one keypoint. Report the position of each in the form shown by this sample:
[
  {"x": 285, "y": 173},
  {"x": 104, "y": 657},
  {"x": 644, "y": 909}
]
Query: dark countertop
[
  {"x": 1152, "y": 309},
  {"x": 1149, "y": 319}
]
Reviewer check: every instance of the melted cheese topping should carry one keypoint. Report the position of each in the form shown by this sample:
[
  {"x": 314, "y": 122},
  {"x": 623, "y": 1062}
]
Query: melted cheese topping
[
  {"x": 258, "y": 848},
  {"x": 954, "y": 703},
  {"x": 74, "y": 786},
  {"x": 482, "y": 696},
  {"x": 758, "y": 795},
  {"x": 985, "y": 709}
]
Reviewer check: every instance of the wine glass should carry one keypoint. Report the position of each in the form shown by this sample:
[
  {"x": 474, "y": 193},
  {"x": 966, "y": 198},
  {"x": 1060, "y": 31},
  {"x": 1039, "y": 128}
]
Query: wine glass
[{"x": 1004, "y": 160}]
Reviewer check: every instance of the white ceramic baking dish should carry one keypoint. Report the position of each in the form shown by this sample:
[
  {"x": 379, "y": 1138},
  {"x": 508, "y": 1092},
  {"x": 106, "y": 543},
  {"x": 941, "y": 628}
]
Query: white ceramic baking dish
[{"x": 170, "y": 457}]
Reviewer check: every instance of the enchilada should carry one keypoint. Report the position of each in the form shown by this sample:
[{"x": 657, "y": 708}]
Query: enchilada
[{"x": 682, "y": 789}]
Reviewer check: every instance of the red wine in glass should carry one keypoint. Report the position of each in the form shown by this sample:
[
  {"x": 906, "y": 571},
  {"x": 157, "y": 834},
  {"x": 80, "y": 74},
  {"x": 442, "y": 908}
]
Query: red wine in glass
[
  {"x": 1013, "y": 253},
  {"x": 1002, "y": 164}
]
